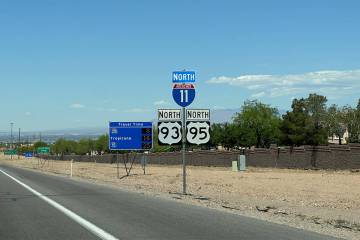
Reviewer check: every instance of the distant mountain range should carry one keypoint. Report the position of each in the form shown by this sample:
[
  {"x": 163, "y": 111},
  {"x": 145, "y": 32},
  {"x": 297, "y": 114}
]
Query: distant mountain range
[
  {"x": 51, "y": 136},
  {"x": 223, "y": 115},
  {"x": 77, "y": 131},
  {"x": 217, "y": 116}
]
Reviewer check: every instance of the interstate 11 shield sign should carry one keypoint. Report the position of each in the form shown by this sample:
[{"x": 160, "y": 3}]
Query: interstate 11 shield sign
[{"x": 183, "y": 94}]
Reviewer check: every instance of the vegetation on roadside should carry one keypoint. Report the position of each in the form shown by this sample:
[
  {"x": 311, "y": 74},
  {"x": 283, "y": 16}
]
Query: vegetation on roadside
[
  {"x": 310, "y": 122},
  {"x": 81, "y": 147}
]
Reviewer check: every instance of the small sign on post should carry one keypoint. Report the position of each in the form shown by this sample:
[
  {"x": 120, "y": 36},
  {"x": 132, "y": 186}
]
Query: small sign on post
[
  {"x": 144, "y": 162},
  {"x": 198, "y": 126},
  {"x": 169, "y": 126},
  {"x": 183, "y": 94},
  {"x": 43, "y": 150},
  {"x": 169, "y": 115},
  {"x": 28, "y": 155},
  {"x": 198, "y": 132},
  {"x": 197, "y": 114},
  {"x": 132, "y": 136},
  {"x": 183, "y": 77},
  {"x": 10, "y": 152}
]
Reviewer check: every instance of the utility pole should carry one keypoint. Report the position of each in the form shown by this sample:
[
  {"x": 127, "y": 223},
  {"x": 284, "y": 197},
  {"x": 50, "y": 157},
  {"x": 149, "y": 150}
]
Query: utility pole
[
  {"x": 11, "y": 137},
  {"x": 19, "y": 144}
]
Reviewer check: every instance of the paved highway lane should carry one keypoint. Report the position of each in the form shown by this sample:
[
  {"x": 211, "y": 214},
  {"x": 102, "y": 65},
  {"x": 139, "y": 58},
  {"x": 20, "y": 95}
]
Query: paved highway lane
[
  {"x": 122, "y": 214},
  {"x": 25, "y": 216}
]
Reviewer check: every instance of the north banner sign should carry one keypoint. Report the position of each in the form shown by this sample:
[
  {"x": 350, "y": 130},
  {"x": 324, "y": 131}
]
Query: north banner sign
[
  {"x": 169, "y": 115},
  {"x": 183, "y": 77},
  {"x": 130, "y": 135},
  {"x": 197, "y": 114}
]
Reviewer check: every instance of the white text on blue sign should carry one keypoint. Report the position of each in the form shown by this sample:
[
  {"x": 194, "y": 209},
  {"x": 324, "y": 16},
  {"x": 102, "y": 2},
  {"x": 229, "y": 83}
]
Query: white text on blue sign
[{"x": 183, "y": 77}]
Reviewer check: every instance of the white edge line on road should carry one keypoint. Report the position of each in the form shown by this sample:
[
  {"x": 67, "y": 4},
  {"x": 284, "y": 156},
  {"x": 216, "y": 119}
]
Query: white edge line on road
[{"x": 83, "y": 222}]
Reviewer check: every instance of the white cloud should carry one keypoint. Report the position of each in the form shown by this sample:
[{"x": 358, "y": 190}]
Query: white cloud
[
  {"x": 161, "y": 103},
  {"x": 77, "y": 105},
  {"x": 27, "y": 113},
  {"x": 137, "y": 110},
  {"x": 323, "y": 82}
]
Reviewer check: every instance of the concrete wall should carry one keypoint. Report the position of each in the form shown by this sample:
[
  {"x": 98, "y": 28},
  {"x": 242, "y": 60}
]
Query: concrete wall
[{"x": 322, "y": 157}]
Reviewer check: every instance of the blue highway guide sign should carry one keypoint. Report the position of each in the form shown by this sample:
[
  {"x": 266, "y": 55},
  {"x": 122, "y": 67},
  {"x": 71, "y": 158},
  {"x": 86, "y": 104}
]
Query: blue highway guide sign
[
  {"x": 130, "y": 135},
  {"x": 183, "y": 77},
  {"x": 183, "y": 94}
]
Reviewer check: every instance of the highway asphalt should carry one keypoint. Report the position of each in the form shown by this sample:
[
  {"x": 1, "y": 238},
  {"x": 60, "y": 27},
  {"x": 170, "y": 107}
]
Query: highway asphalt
[{"x": 119, "y": 214}]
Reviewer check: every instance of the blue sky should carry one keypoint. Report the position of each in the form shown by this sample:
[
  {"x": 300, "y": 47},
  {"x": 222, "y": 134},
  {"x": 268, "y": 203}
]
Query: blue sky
[{"x": 70, "y": 64}]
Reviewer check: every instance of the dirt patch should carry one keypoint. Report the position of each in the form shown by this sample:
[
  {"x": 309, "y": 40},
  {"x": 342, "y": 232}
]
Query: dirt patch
[{"x": 322, "y": 201}]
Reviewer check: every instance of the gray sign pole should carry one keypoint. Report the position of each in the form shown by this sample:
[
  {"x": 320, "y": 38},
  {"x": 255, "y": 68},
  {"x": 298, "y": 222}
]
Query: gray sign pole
[{"x": 183, "y": 150}]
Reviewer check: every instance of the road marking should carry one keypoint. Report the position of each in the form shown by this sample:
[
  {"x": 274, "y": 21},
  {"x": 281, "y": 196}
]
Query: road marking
[{"x": 83, "y": 222}]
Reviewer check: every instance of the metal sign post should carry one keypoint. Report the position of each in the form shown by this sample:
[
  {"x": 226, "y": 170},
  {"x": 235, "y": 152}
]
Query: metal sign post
[
  {"x": 171, "y": 131},
  {"x": 183, "y": 150},
  {"x": 41, "y": 153},
  {"x": 144, "y": 162}
]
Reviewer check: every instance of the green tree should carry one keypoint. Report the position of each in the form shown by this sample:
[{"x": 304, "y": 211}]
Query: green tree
[
  {"x": 85, "y": 146},
  {"x": 64, "y": 147},
  {"x": 257, "y": 124},
  {"x": 216, "y": 134},
  {"x": 59, "y": 146},
  {"x": 336, "y": 121},
  {"x": 224, "y": 134},
  {"x": 294, "y": 124},
  {"x": 352, "y": 121},
  {"x": 307, "y": 123},
  {"x": 24, "y": 149},
  {"x": 102, "y": 144},
  {"x": 316, "y": 109},
  {"x": 229, "y": 135},
  {"x": 40, "y": 144}
]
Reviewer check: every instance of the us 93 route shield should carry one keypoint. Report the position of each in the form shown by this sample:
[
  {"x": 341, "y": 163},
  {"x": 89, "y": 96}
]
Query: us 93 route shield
[{"x": 169, "y": 133}]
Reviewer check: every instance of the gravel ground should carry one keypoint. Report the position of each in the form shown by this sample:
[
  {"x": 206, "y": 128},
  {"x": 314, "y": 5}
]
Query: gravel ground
[{"x": 323, "y": 201}]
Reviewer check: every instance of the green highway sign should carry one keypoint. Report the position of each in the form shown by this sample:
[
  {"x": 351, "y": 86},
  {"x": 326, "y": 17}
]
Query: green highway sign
[
  {"x": 43, "y": 150},
  {"x": 10, "y": 152}
]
